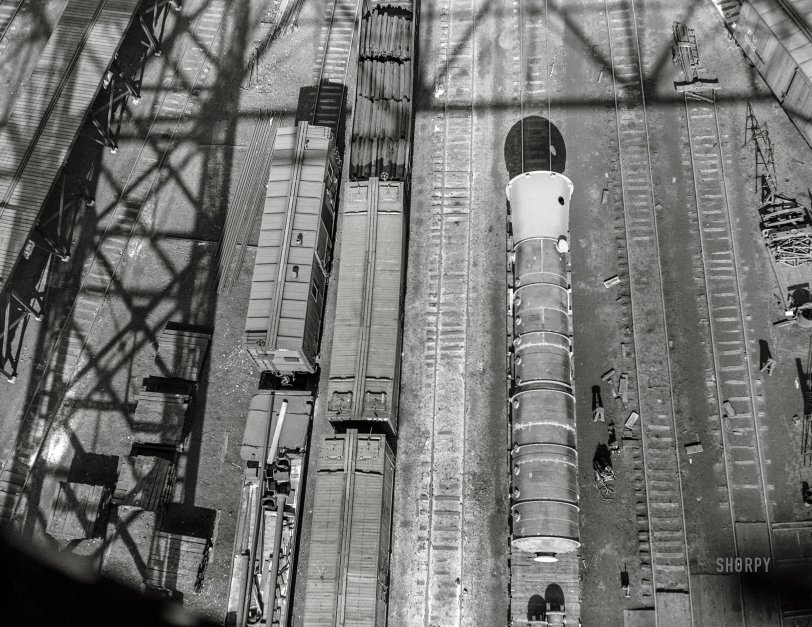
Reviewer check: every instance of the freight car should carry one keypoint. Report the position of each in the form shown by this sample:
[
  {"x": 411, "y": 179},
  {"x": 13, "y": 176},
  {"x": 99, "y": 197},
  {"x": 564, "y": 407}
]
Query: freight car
[
  {"x": 382, "y": 116},
  {"x": 365, "y": 359},
  {"x": 543, "y": 456},
  {"x": 283, "y": 326},
  {"x": 348, "y": 570},
  {"x": 269, "y": 507},
  {"x": 777, "y": 38}
]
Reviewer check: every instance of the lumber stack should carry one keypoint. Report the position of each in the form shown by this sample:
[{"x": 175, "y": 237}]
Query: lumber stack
[
  {"x": 177, "y": 562},
  {"x": 143, "y": 481},
  {"x": 160, "y": 417},
  {"x": 77, "y": 510},
  {"x": 181, "y": 353},
  {"x": 130, "y": 534},
  {"x": 383, "y": 102}
]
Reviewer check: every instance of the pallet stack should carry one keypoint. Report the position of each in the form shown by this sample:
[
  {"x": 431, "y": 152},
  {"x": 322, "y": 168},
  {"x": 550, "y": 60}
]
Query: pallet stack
[
  {"x": 163, "y": 404},
  {"x": 177, "y": 562},
  {"x": 143, "y": 481},
  {"x": 77, "y": 510},
  {"x": 383, "y": 107}
]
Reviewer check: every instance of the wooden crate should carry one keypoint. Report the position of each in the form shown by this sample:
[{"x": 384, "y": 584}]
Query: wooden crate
[
  {"x": 144, "y": 482},
  {"x": 181, "y": 353},
  {"x": 159, "y": 418},
  {"x": 78, "y": 510},
  {"x": 129, "y": 539},
  {"x": 177, "y": 562}
]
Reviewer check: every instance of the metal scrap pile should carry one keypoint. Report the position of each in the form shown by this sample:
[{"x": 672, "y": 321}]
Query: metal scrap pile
[{"x": 787, "y": 230}]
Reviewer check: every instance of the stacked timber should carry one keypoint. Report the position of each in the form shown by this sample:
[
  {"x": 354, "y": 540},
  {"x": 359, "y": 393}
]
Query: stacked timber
[
  {"x": 383, "y": 107},
  {"x": 144, "y": 482},
  {"x": 130, "y": 533},
  {"x": 160, "y": 417},
  {"x": 77, "y": 511},
  {"x": 163, "y": 404},
  {"x": 177, "y": 562},
  {"x": 181, "y": 352}
]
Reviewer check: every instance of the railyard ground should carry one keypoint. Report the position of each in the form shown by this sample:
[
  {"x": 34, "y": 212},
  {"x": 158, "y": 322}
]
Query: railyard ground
[{"x": 168, "y": 274}]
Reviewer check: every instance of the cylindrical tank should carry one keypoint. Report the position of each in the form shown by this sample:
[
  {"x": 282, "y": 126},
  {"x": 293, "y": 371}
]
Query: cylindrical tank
[{"x": 544, "y": 460}]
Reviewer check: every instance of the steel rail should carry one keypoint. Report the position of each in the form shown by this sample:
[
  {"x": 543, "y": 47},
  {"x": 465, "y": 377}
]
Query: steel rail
[
  {"x": 661, "y": 295},
  {"x": 7, "y": 17},
  {"x": 712, "y": 347},
  {"x": 448, "y": 343},
  {"x": 741, "y": 315},
  {"x": 325, "y": 55}
]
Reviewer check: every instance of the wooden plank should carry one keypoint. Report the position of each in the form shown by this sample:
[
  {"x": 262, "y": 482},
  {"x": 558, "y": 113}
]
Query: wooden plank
[
  {"x": 143, "y": 481},
  {"x": 76, "y": 510}
]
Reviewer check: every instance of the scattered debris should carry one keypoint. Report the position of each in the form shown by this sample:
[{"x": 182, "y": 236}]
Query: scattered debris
[
  {"x": 767, "y": 368},
  {"x": 694, "y": 448},
  {"x": 631, "y": 420},
  {"x": 729, "y": 411},
  {"x": 624, "y": 388},
  {"x": 611, "y": 281}
]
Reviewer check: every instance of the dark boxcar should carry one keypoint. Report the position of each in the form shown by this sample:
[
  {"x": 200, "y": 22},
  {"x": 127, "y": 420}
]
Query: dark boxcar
[
  {"x": 777, "y": 40},
  {"x": 365, "y": 358},
  {"x": 283, "y": 326},
  {"x": 348, "y": 568}
]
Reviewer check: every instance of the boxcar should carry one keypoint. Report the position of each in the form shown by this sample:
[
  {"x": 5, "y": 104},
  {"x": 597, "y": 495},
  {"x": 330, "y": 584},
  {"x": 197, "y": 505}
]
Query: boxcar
[
  {"x": 365, "y": 358},
  {"x": 348, "y": 569},
  {"x": 776, "y": 38},
  {"x": 283, "y": 326}
]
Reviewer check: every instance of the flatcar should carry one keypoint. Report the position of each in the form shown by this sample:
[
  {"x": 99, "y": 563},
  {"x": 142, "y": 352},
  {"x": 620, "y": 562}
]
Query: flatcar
[
  {"x": 544, "y": 459},
  {"x": 382, "y": 115},
  {"x": 270, "y": 504},
  {"x": 365, "y": 358},
  {"x": 284, "y": 321},
  {"x": 776, "y": 37},
  {"x": 347, "y": 575}
]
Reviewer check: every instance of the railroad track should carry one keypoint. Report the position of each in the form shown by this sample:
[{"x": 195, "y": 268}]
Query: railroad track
[
  {"x": 531, "y": 54},
  {"x": 733, "y": 379},
  {"x": 248, "y": 195},
  {"x": 8, "y": 9},
  {"x": 100, "y": 269},
  {"x": 666, "y": 536},
  {"x": 437, "y": 597},
  {"x": 333, "y": 61}
]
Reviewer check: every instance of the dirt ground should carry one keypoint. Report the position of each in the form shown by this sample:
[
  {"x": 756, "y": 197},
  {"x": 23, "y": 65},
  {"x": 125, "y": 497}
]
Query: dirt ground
[
  {"x": 169, "y": 269},
  {"x": 167, "y": 274}
]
